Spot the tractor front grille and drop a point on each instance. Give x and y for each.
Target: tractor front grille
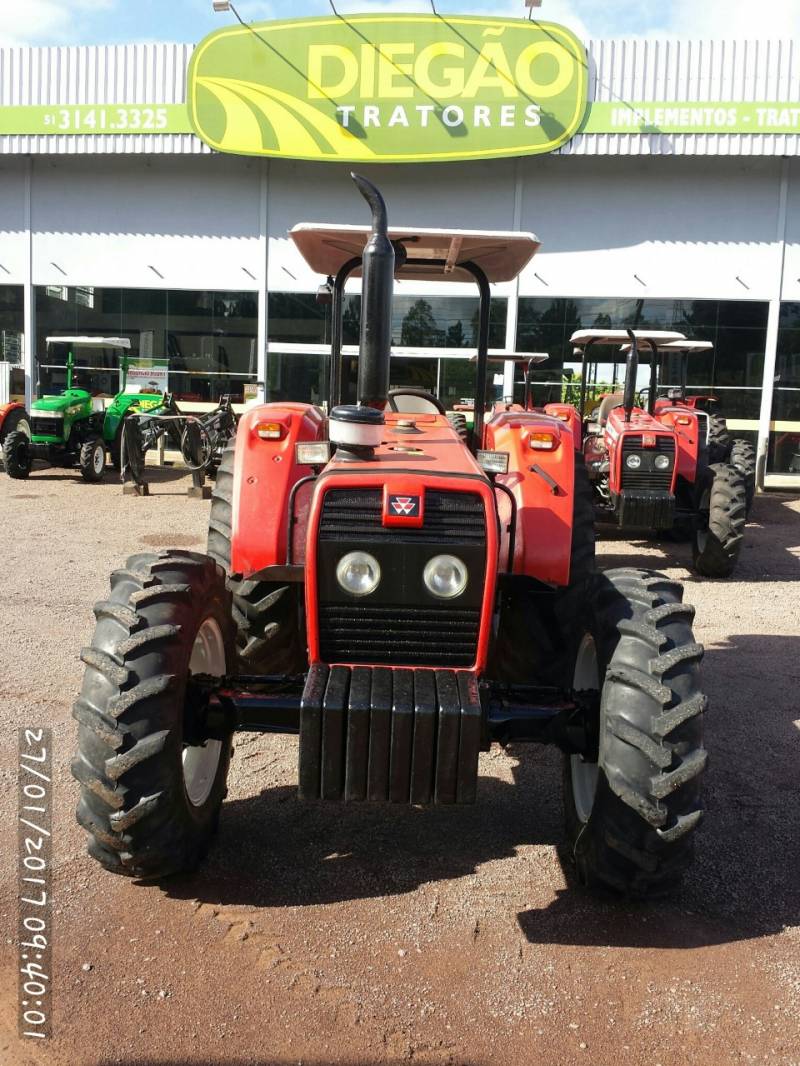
(398, 634)
(400, 623)
(646, 477)
(47, 427)
(356, 514)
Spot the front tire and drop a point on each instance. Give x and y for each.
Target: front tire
(631, 815)
(92, 459)
(17, 457)
(721, 521)
(150, 800)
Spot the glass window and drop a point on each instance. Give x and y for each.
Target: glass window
(209, 338)
(784, 440)
(12, 319)
(732, 371)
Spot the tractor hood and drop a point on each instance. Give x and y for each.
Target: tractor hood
(63, 404)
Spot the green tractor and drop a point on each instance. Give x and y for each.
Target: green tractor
(72, 428)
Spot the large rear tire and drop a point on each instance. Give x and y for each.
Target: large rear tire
(265, 613)
(17, 457)
(721, 521)
(719, 439)
(631, 816)
(743, 457)
(149, 800)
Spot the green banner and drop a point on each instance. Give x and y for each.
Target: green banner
(692, 117)
(95, 118)
(389, 88)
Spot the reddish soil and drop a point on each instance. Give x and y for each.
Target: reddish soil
(322, 935)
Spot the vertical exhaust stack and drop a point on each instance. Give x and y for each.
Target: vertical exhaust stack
(376, 303)
(631, 374)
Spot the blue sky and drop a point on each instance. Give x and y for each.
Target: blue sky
(52, 22)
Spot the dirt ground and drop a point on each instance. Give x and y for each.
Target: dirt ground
(320, 935)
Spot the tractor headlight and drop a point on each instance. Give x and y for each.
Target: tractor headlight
(633, 462)
(661, 462)
(358, 573)
(445, 576)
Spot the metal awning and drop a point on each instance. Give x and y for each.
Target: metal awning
(501, 255)
(91, 342)
(620, 336)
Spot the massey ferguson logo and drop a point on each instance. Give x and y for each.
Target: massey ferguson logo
(407, 506)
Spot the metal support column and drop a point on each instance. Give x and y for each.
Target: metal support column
(263, 235)
(771, 351)
(29, 295)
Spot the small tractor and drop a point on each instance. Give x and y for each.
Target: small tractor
(648, 460)
(73, 428)
(401, 598)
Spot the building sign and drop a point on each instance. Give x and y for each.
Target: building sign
(678, 116)
(389, 88)
(60, 119)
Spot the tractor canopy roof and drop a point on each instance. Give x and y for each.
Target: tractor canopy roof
(501, 255)
(682, 346)
(658, 337)
(92, 342)
(515, 357)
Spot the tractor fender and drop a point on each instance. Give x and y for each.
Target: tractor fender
(544, 496)
(7, 408)
(568, 414)
(687, 439)
(264, 474)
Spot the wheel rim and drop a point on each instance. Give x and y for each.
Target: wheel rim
(99, 459)
(24, 426)
(200, 762)
(583, 775)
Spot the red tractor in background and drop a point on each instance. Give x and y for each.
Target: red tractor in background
(401, 598)
(721, 447)
(648, 461)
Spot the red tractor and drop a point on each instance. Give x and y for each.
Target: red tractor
(401, 598)
(721, 447)
(648, 460)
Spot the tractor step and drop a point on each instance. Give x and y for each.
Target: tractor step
(378, 734)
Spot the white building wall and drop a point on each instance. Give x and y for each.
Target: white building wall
(155, 223)
(13, 228)
(676, 228)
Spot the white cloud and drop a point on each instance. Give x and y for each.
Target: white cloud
(45, 20)
(740, 19)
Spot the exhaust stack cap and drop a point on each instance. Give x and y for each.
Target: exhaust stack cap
(357, 431)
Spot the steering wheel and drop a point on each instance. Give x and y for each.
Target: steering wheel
(420, 394)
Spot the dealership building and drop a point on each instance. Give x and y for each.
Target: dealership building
(675, 205)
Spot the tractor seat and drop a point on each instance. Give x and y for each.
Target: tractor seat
(414, 402)
(607, 405)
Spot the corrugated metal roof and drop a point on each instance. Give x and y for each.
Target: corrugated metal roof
(691, 70)
(621, 70)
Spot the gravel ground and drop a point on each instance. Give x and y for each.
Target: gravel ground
(321, 935)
